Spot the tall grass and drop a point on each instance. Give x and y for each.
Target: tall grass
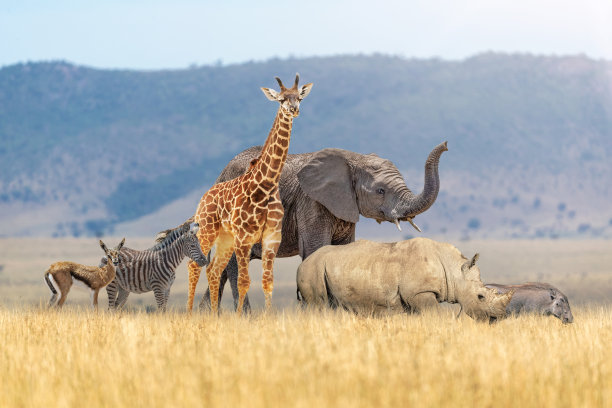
(303, 359)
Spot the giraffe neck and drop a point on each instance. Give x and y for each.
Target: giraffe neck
(274, 152)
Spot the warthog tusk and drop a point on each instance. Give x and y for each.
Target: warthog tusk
(397, 224)
(416, 227)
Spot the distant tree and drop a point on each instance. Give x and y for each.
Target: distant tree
(582, 228)
(473, 223)
(537, 203)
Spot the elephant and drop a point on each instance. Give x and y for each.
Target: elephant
(374, 278)
(536, 297)
(324, 193)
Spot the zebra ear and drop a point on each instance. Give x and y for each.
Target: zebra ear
(194, 227)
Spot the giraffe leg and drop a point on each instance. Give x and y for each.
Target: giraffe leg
(270, 241)
(225, 248)
(207, 237)
(194, 276)
(243, 253)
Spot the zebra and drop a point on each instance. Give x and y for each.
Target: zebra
(153, 269)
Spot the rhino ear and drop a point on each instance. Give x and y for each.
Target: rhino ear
(327, 179)
(552, 294)
(469, 272)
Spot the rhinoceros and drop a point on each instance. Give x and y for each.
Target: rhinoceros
(371, 278)
(536, 297)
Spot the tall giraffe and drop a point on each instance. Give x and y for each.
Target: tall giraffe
(241, 212)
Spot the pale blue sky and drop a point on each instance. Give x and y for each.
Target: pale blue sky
(174, 34)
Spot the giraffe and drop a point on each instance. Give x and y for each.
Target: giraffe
(236, 214)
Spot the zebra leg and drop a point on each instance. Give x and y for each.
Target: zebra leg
(161, 297)
(121, 297)
(111, 292)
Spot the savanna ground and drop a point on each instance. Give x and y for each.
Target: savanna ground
(293, 357)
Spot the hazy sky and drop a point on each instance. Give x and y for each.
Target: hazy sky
(154, 34)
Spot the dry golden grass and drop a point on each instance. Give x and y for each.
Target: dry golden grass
(303, 359)
(291, 357)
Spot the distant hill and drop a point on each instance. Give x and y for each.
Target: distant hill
(86, 151)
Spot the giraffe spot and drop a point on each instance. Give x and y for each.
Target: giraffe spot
(279, 151)
(283, 133)
(284, 143)
(275, 164)
(258, 177)
(259, 195)
(267, 185)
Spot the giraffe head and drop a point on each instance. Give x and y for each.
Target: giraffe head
(289, 98)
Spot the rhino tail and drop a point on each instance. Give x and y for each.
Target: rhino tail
(331, 299)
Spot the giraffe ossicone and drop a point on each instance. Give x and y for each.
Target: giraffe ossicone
(236, 214)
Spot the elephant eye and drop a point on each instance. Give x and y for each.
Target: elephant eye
(481, 297)
(381, 191)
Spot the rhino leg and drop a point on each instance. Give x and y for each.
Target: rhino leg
(423, 301)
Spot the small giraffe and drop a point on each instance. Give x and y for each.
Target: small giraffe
(241, 212)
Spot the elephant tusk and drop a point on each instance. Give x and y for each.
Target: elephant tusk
(416, 227)
(397, 224)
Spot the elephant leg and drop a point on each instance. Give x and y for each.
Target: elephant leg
(314, 233)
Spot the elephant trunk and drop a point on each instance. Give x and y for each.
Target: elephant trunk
(414, 205)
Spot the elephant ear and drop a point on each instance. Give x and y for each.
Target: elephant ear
(327, 179)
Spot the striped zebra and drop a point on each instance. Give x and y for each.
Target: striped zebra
(153, 269)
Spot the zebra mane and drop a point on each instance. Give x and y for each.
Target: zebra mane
(167, 237)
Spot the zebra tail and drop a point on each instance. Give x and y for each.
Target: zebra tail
(50, 284)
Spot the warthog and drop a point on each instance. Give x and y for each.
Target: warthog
(371, 277)
(536, 297)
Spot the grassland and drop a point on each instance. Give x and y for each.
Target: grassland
(291, 357)
(303, 359)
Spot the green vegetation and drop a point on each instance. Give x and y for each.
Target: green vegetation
(128, 142)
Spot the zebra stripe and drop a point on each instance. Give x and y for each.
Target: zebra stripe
(153, 269)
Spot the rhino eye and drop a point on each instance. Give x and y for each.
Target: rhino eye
(481, 297)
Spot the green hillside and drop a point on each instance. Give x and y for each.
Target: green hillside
(107, 146)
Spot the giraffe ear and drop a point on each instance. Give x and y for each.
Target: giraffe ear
(305, 90)
(271, 94)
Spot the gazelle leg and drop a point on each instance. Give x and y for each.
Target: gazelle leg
(64, 294)
(94, 296)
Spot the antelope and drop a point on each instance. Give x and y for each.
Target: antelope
(61, 275)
